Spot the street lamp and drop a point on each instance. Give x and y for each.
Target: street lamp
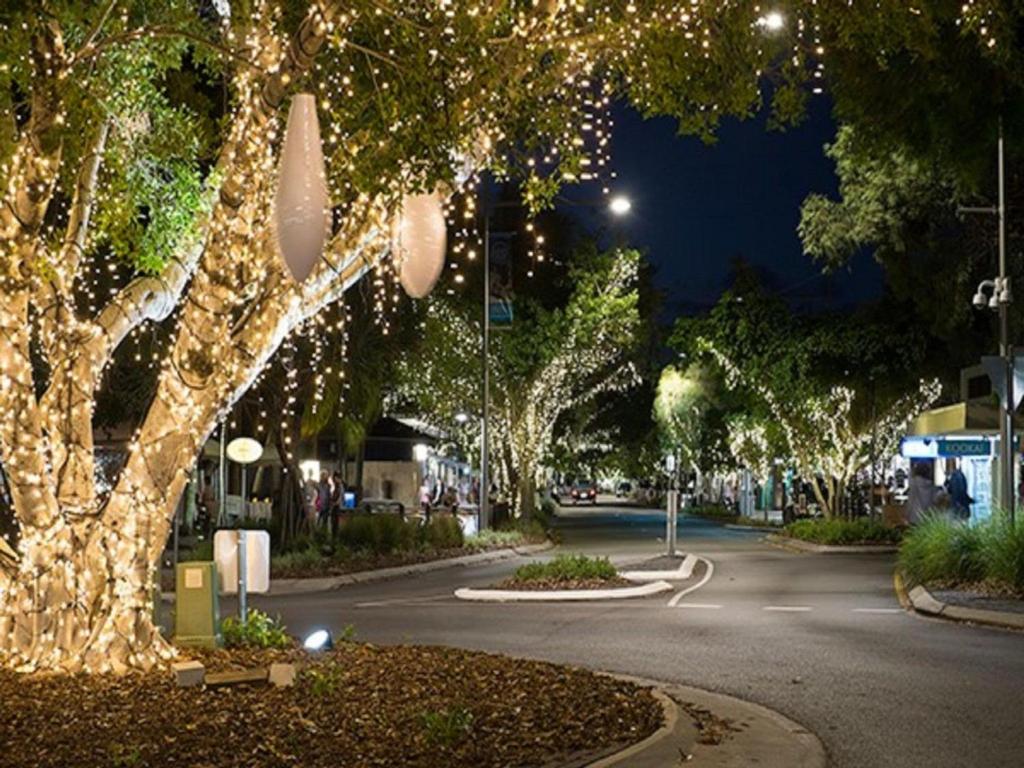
(1000, 300)
(620, 205)
(772, 21)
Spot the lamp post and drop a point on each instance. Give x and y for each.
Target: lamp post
(619, 205)
(1000, 300)
(243, 451)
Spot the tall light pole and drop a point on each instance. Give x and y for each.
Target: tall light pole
(1000, 300)
(618, 205)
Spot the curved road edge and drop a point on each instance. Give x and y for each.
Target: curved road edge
(757, 735)
(922, 602)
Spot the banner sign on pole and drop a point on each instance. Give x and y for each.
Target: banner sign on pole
(502, 295)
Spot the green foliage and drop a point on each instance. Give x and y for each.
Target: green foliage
(563, 351)
(259, 631)
(304, 559)
(946, 551)
(566, 568)
(837, 531)
(712, 510)
(492, 539)
(443, 532)
(377, 534)
(447, 727)
(323, 680)
(202, 552)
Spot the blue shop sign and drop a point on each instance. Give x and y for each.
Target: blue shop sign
(964, 448)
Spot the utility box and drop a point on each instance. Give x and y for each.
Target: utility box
(196, 610)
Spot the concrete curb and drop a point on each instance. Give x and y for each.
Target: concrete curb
(560, 595)
(662, 748)
(280, 587)
(761, 736)
(807, 546)
(682, 573)
(921, 601)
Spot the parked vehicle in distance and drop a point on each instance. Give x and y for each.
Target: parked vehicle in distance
(583, 492)
(623, 489)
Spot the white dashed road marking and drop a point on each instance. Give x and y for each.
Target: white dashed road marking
(878, 610)
(788, 608)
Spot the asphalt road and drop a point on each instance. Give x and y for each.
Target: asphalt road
(820, 638)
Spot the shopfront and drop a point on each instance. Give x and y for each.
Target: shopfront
(964, 436)
(974, 455)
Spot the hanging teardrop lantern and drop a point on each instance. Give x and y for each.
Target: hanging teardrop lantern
(419, 242)
(302, 207)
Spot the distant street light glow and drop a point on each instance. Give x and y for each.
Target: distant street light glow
(773, 21)
(620, 205)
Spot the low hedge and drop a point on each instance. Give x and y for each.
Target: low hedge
(838, 532)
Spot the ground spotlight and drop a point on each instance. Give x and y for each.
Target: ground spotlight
(319, 640)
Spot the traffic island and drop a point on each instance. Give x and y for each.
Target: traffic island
(565, 578)
(356, 705)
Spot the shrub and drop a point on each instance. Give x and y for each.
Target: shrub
(1002, 548)
(443, 532)
(447, 727)
(202, 552)
(298, 560)
(490, 538)
(260, 631)
(712, 510)
(377, 534)
(863, 530)
(567, 568)
(944, 550)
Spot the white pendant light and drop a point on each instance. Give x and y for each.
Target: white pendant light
(419, 242)
(302, 207)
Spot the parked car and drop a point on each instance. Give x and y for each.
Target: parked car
(584, 492)
(623, 490)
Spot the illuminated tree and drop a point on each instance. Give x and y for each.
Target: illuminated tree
(680, 407)
(147, 135)
(549, 362)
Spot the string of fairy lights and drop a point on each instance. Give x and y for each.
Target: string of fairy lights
(406, 93)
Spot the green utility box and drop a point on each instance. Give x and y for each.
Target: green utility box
(196, 610)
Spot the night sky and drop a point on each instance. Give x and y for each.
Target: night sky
(697, 207)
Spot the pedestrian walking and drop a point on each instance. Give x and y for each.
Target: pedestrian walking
(924, 496)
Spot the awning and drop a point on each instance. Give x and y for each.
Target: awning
(960, 419)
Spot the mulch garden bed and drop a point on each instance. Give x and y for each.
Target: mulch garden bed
(540, 585)
(357, 706)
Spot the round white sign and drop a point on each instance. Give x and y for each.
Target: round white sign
(244, 450)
